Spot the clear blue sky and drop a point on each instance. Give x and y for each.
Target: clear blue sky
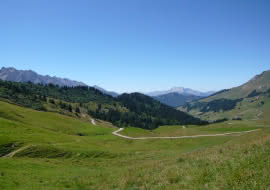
(138, 45)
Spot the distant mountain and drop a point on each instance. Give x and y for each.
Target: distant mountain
(111, 93)
(14, 75)
(181, 90)
(248, 101)
(175, 99)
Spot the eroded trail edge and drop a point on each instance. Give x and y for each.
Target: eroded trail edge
(11, 154)
(180, 137)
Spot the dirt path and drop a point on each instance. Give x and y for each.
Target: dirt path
(93, 122)
(257, 116)
(11, 154)
(181, 137)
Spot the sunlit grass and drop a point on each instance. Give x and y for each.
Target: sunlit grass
(67, 153)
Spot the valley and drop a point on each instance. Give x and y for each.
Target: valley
(55, 137)
(48, 150)
(134, 95)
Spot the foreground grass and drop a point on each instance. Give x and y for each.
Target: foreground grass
(58, 156)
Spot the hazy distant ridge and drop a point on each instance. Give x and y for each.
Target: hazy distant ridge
(175, 99)
(113, 94)
(181, 90)
(14, 75)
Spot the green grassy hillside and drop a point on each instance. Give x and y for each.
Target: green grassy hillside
(43, 150)
(260, 83)
(248, 101)
(135, 109)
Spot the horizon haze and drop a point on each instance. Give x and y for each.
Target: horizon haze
(15, 75)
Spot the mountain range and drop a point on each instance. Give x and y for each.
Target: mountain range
(14, 75)
(175, 99)
(181, 90)
(178, 96)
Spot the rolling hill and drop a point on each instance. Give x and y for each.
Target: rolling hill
(47, 150)
(244, 102)
(135, 110)
(55, 147)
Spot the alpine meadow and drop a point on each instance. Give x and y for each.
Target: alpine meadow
(134, 95)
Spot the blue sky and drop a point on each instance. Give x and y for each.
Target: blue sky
(138, 45)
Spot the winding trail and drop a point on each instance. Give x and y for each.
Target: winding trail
(257, 116)
(180, 137)
(11, 154)
(116, 133)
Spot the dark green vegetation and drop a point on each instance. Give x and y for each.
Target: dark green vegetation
(44, 150)
(175, 99)
(135, 110)
(161, 114)
(145, 112)
(244, 102)
(254, 93)
(20, 92)
(214, 105)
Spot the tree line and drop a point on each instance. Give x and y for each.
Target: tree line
(140, 110)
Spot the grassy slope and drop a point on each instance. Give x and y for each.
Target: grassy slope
(171, 131)
(248, 108)
(60, 159)
(133, 109)
(260, 83)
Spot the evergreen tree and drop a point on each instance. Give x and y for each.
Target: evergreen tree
(52, 101)
(70, 108)
(78, 110)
